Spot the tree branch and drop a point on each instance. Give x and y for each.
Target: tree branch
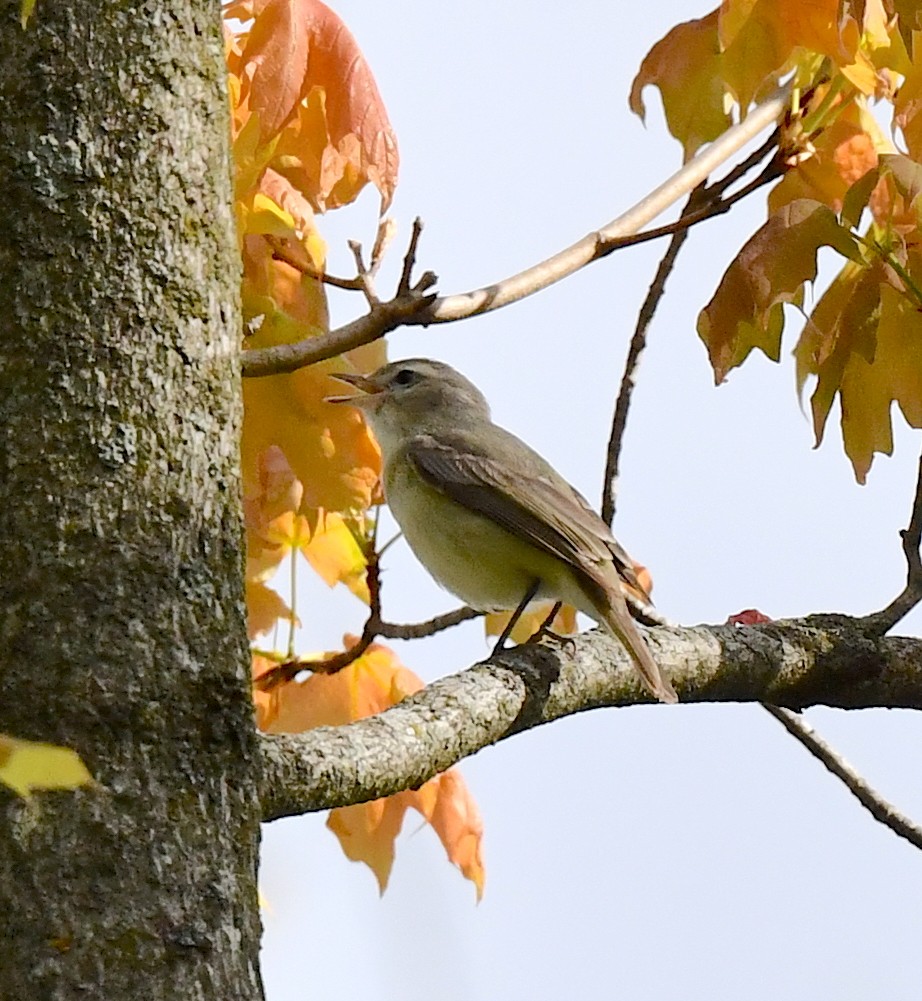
(418, 630)
(826, 660)
(870, 799)
(703, 202)
(414, 309)
(884, 620)
(631, 362)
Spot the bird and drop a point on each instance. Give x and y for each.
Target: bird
(490, 519)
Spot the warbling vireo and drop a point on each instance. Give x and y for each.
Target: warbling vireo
(486, 515)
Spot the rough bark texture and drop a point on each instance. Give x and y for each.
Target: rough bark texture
(121, 616)
(824, 660)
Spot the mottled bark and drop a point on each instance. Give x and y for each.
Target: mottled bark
(121, 616)
(824, 660)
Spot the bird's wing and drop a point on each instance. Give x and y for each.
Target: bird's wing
(546, 511)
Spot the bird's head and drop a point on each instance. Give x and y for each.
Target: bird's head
(415, 396)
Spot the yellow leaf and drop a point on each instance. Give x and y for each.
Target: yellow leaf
(25, 12)
(894, 374)
(531, 621)
(335, 554)
(864, 344)
(267, 217)
(26, 765)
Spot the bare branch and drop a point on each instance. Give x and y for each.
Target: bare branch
(380, 321)
(821, 660)
(409, 260)
(290, 669)
(365, 275)
(387, 230)
(418, 630)
(884, 620)
(869, 798)
(703, 203)
(603, 241)
(635, 350)
(414, 309)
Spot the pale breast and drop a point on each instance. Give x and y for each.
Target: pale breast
(465, 552)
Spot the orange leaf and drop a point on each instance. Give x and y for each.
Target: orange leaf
(843, 153)
(686, 67)
(370, 684)
(456, 819)
(328, 447)
(274, 61)
(304, 76)
(264, 608)
(367, 832)
(272, 496)
(771, 269)
(761, 38)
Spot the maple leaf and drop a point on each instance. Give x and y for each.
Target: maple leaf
(303, 77)
(746, 310)
(686, 67)
(264, 608)
(368, 831)
(842, 154)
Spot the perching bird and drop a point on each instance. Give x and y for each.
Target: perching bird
(485, 514)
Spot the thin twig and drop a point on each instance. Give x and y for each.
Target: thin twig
(409, 260)
(382, 318)
(290, 669)
(869, 798)
(703, 202)
(418, 630)
(286, 254)
(881, 622)
(365, 275)
(412, 310)
(387, 230)
(635, 350)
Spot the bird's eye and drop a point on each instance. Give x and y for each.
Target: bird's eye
(405, 377)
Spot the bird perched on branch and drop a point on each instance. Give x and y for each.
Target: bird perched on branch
(487, 516)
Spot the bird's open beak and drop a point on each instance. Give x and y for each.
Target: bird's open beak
(368, 387)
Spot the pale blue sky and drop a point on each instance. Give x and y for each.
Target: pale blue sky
(693, 852)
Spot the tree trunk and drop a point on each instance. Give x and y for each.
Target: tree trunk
(122, 630)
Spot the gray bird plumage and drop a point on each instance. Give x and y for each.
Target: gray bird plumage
(485, 513)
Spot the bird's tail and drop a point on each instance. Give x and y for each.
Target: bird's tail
(618, 622)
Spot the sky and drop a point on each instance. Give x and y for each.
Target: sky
(652, 852)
